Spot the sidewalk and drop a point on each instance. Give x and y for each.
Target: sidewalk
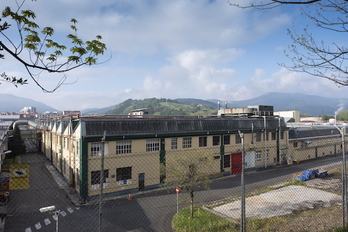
(62, 184)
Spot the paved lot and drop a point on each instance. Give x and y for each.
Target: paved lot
(280, 202)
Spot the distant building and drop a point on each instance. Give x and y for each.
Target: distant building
(28, 110)
(288, 115)
(69, 112)
(256, 110)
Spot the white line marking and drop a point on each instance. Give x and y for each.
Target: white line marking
(47, 221)
(38, 225)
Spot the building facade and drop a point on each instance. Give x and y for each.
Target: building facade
(134, 152)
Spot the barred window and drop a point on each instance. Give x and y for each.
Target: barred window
(152, 145)
(95, 179)
(123, 147)
(174, 143)
(258, 137)
(186, 142)
(124, 175)
(96, 149)
(227, 139)
(237, 139)
(202, 141)
(266, 136)
(216, 140)
(274, 135)
(227, 161)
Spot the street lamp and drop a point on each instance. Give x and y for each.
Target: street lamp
(51, 209)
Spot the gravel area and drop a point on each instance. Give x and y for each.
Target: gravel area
(316, 207)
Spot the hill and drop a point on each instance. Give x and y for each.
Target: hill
(11, 103)
(164, 106)
(306, 104)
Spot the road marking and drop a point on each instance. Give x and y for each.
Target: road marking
(63, 213)
(38, 225)
(47, 221)
(28, 229)
(70, 210)
(55, 217)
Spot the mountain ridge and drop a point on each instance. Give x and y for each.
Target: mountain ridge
(307, 104)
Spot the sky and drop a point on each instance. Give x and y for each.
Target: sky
(168, 49)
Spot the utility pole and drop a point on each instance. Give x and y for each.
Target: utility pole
(243, 217)
(101, 184)
(344, 175)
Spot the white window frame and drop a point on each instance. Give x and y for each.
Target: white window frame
(174, 143)
(123, 147)
(96, 149)
(152, 145)
(187, 142)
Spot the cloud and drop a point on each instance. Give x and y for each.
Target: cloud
(167, 49)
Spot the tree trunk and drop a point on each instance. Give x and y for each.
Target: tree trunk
(191, 196)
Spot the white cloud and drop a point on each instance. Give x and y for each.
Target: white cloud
(168, 49)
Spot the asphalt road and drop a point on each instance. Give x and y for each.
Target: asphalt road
(150, 212)
(153, 212)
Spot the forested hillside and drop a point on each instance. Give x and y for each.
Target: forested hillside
(162, 106)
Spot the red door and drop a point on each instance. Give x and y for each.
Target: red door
(236, 162)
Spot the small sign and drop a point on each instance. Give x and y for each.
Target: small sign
(177, 190)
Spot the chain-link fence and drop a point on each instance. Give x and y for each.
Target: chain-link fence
(142, 191)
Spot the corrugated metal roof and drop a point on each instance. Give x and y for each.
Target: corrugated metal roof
(309, 132)
(143, 126)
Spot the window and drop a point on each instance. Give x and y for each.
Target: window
(266, 136)
(266, 154)
(124, 147)
(237, 139)
(258, 137)
(295, 144)
(258, 156)
(96, 149)
(124, 175)
(227, 162)
(216, 140)
(281, 135)
(186, 142)
(274, 135)
(95, 179)
(227, 139)
(174, 143)
(152, 145)
(202, 141)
